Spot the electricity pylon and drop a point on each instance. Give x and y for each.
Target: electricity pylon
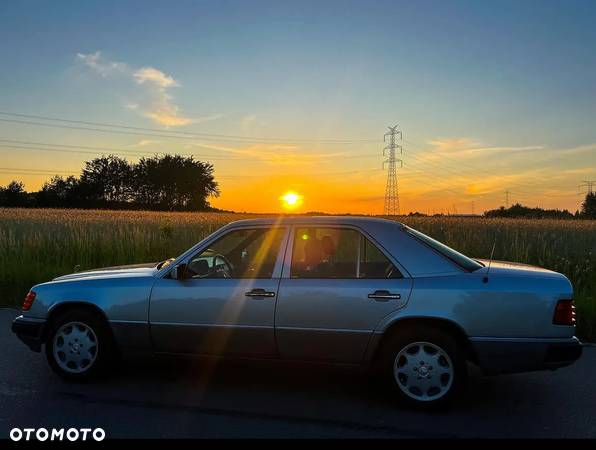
(391, 192)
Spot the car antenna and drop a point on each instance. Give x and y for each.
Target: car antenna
(490, 260)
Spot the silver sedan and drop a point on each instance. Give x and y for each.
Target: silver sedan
(349, 290)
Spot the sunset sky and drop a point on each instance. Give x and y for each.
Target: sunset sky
(491, 96)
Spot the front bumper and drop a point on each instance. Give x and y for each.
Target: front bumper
(30, 331)
(509, 355)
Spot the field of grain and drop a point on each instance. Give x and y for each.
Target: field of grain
(37, 245)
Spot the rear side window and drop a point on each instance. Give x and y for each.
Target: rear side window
(458, 258)
(325, 252)
(374, 263)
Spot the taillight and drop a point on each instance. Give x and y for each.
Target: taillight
(28, 301)
(564, 313)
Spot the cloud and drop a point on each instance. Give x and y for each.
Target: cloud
(272, 153)
(448, 145)
(151, 75)
(102, 67)
(145, 143)
(153, 99)
(580, 171)
(467, 147)
(247, 122)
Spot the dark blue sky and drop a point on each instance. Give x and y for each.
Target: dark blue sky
(486, 74)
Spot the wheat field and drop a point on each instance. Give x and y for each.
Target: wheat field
(39, 244)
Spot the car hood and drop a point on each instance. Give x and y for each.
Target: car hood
(517, 269)
(135, 270)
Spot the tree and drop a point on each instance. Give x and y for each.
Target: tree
(14, 195)
(107, 179)
(174, 182)
(60, 192)
(589, 206)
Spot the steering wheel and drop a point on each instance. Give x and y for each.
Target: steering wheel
(224, 269)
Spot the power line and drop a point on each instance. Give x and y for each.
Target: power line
(122, 129)
(589, 184)
(176, 133)
(472, 169)
(126, 152)
(30, 171)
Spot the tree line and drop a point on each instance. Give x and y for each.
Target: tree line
(519, 211)
(161, 182)
(588, 211)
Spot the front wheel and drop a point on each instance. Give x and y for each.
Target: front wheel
(424, 366)
(79, 345)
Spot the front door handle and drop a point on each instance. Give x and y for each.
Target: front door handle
(383, 296)
(260, 293)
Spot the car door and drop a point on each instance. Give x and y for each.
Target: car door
(336, 286)
(221, 310)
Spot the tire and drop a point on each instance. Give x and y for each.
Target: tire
(79, 345)
(424, 366)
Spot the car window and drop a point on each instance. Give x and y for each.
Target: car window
(325, 252)
(246, 253)
(374, 263)
(460, 259)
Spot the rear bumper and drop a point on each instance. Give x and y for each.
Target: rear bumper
(510, 355)
(30, 331)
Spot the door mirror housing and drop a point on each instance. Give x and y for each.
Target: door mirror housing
(178, 272)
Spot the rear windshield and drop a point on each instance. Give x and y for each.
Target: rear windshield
(461, 260)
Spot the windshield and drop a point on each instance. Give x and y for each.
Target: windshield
(461, 260)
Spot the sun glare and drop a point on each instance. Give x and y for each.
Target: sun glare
(291, 200)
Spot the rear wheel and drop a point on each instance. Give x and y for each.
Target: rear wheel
(79, 345)
(424, 366)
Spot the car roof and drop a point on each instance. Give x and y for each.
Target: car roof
(336, 220)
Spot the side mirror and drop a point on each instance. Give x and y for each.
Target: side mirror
(178, 272)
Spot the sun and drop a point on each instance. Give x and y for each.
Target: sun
(291, 200)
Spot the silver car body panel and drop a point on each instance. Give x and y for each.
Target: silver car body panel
(318, 319)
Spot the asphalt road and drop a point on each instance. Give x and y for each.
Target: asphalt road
(165, 398)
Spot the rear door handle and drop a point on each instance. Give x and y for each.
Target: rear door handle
(383, 296)
(260, 293)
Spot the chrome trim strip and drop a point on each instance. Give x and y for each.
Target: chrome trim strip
(327, 330)
(520, 339)
(143, 322)
(211, 325)
(23, 318)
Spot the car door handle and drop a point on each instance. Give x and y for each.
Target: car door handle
(383, 296)
(260, 293)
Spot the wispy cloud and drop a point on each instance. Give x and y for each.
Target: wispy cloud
(155, 101)
(101, 66)
(247, 122)
(273, 153)
(451, 144)
(580, 171)
(468, 147)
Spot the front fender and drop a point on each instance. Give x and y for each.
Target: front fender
(123, 301)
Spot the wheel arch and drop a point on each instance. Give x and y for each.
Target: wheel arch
(61, 307)
(446, 325)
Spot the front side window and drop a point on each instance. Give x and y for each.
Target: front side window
(320, 252)
(247, 253)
